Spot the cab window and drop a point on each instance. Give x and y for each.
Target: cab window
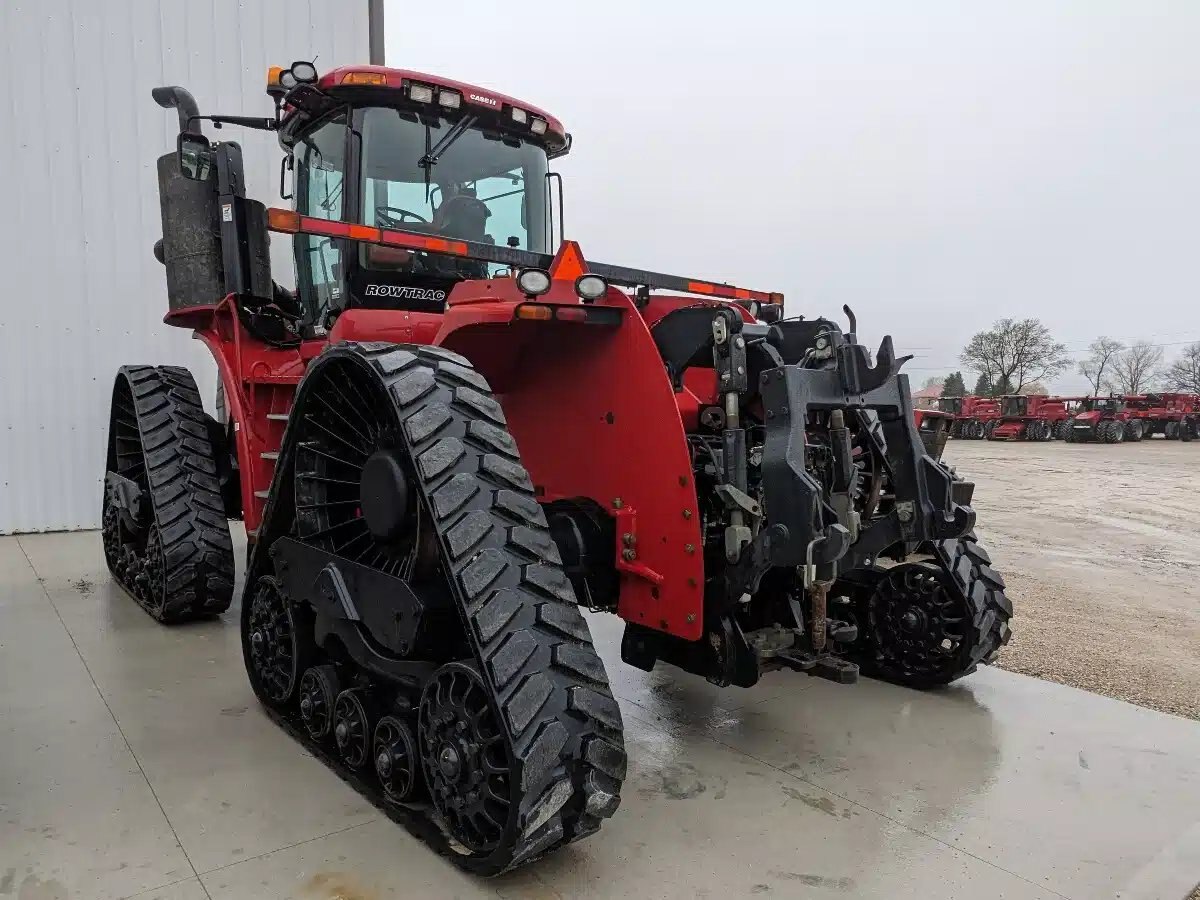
(320, 193)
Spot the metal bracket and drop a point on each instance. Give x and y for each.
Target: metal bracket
(627, 554)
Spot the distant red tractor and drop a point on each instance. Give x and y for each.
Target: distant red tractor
(1104, 420)
(1028, 418)
(1174, 416)
(971, 414)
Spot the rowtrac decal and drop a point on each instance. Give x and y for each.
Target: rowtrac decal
(403, 293)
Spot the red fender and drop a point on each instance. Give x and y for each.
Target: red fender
(594, 415)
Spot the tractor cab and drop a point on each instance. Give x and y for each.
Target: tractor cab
(393, 149)
(447, 165)
(1014, 405)
(1101, 404)
(951, 405)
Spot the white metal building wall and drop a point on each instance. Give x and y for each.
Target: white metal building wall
(80, 292)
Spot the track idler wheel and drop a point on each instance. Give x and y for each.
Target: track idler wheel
(277, 645)
(352, 727)
(396, 763)
(466, 758)
(319, 688)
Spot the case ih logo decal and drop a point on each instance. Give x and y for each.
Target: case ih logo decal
(403, 293)
(488, 100)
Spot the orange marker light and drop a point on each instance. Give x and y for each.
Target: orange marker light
(273, 75)
(375, 78)
(284, 220)
(532, 311)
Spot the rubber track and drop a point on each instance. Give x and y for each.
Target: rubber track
(532, 643)
(186, 498)
(982, 587)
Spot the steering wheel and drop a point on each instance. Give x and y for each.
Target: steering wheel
(384, 215)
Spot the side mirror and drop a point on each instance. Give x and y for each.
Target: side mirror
(286, 165)
(195, 156)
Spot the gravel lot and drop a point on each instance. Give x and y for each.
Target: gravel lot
(1100, 546)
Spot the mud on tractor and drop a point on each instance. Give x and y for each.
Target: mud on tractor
(972, 415)
(457, 432)
(1028, 418)
(1104, 420)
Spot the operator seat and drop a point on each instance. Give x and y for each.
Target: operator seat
(462, 216)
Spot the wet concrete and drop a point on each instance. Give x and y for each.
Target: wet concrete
(134, 761)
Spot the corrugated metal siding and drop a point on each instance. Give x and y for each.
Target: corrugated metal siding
(79, 136)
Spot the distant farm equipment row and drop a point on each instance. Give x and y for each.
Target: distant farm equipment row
(1111, 420)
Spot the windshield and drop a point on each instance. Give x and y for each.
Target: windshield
(474, 185)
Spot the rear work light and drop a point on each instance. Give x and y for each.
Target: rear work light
(537, 126)
(449, 99)
(533, 282)
(519, 116)
(590, 287)
(420, 93)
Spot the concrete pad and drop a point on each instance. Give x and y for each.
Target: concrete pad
(76, 816)
(1003, 786)
(65, 556)
(698, 820)
(190, 889)
(1064, 788)
(232, 783)
(17, 576)
(377, 860)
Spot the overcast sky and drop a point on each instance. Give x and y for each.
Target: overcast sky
(936, 165)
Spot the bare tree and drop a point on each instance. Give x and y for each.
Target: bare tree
(1184, 373)
(1034, 388)
(934, 381)
(1103, 354)
(1014, 353)
(1136, 369)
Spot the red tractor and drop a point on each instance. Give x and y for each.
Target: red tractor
(972, 415)
(1104, 420)
(1028, 417)
(1174, 416)
(457, 431)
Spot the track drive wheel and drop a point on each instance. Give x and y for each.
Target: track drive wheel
(159, 446)
(466, 761)
(925, 624)
(1171, 431)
